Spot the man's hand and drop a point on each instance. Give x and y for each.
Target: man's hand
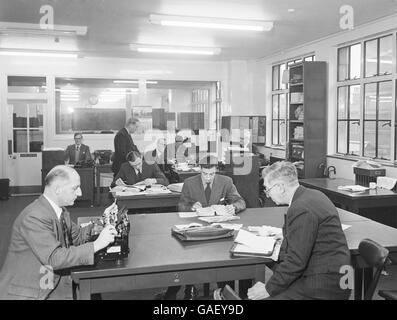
(196, 205)
(150, 181)
(258, 292)
(105, 238)
(119, 182)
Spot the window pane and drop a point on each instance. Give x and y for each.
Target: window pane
(369, 139)
(35, 140)
(384, 141)
(355, 61)
(276, 81)
(354, 141)
(35, 115)
(342, 103)
(19, 114)
(342, 137)
(26, 84)
(282, 77)
(385, 100)
(355, 110)
(370, 101)
(275, 107)
(282, 132)
(20, 141)
(371, 58)
(275, 132)
(385, 55)
(283, 106)
(343, 55)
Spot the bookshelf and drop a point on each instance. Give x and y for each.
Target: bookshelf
(307, 117)
(257, 125)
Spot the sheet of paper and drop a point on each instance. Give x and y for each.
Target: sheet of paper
(234, 226)
(216, 219)
(345, 226)
(265, 231)
(355, 188)
(255, 242)
(187, 214)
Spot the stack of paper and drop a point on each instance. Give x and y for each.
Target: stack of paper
(176, 187)
(248, 244)
(205, 212)
(219, 218)
(355, 188)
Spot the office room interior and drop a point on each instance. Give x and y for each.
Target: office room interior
(313, 82)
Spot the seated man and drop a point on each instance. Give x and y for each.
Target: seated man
(314, 247)
(204, 190)
(136, 169)
(77, 152)
(45, 243)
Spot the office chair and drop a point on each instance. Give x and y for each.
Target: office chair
(376, 257)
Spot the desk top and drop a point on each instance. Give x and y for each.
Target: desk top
(140, 196)
(331, 185)
(154, 249)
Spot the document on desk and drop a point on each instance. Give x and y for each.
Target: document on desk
(355, 188)
(249, 243)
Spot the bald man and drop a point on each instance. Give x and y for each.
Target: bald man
(45, 243)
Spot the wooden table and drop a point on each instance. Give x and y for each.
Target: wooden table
(157, 259)
(139, 201)
(352, 201)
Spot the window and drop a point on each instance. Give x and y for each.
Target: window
(280, 99)
(365, 106)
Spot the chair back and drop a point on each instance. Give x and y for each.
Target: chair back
(375, 256)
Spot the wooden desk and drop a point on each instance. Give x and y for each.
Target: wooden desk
(150, 201)
(100, 168)
(157, 259)
(352, 201)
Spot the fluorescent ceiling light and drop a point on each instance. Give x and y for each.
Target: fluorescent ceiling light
(134, 81)
(175, 49)
(44, 29)
(211, 23)
(39, 54)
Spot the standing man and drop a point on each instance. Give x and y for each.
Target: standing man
(77, 152)
(123, 144)
(45, 243)
(314, 247)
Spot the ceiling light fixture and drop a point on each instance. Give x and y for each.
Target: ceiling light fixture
(134, 81)
(16, 28)
(211, 23)
(39, 54)
(175, 49)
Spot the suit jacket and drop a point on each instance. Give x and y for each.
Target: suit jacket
(128, 175)
(222, 187)
(313, 243)
(84, 154)
(123, 144)
(37, 244)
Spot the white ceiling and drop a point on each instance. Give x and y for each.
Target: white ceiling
(114, 24)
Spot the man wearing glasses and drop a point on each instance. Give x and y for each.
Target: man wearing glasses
(314, 246)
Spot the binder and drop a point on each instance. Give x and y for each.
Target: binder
(239, 250)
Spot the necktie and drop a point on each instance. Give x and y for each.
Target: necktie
(77, 154)
(65, 230)
(139, 175)
(208, 192)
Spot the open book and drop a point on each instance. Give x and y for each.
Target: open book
(249, 244)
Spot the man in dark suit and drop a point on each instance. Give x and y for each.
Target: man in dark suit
(45, 243)
(314, 246)
(204, 190)
(77, 152)
(136, 170)
(123, 144)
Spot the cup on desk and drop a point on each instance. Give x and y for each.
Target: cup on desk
(372, 185)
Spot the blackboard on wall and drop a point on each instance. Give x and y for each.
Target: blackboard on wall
(98, 119)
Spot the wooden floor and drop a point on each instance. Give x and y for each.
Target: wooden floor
(9, 209)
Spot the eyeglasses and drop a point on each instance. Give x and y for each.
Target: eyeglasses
(267, 190)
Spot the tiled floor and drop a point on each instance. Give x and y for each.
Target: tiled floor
(11, 208)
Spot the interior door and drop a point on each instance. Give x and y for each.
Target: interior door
(24, 141)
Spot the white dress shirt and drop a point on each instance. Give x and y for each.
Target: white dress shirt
(57, 209)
